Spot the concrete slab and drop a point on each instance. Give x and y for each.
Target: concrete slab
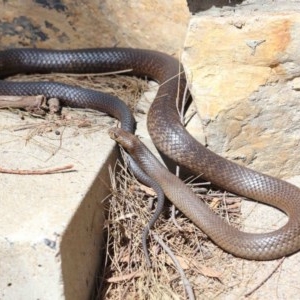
(51, 225)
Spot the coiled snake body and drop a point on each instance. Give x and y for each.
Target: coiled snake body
(169, 136)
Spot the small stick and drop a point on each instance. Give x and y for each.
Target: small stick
(54, 105)
(173, 217)
(173, 211)
(266, 279)
(29, 103)
(185, 281)
(37, 172)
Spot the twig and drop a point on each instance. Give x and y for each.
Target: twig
(225, 206)
(37, 172)
(173, 217)
(54, 105)
(181, 115)
(34, 104)
(173, 208)
(189, 118)
(186, 283)
(183, 105)
(60, 144)
(93, 74)
(266, 279)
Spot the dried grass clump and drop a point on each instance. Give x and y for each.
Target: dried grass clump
(83, 121)
(126, 274)
(127, 88)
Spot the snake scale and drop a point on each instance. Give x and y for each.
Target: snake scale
(169, 136)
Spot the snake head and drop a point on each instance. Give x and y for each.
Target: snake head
(126, 139)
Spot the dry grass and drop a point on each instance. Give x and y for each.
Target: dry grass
(126, 275)
(126, 88)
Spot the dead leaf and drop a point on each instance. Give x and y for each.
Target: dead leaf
(124, 277)
(182, 261)
(209, 272)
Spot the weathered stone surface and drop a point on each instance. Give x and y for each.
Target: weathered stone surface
(81, 24)
(51, 225)
(243, 73)
(157, 25)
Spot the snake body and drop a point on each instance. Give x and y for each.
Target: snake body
(169, 136)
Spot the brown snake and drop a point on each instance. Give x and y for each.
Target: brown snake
(171, 138)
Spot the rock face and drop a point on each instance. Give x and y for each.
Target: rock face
(243, 72)
(81, 24)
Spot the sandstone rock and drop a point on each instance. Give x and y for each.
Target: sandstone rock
(68, 24)
(238, 67)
